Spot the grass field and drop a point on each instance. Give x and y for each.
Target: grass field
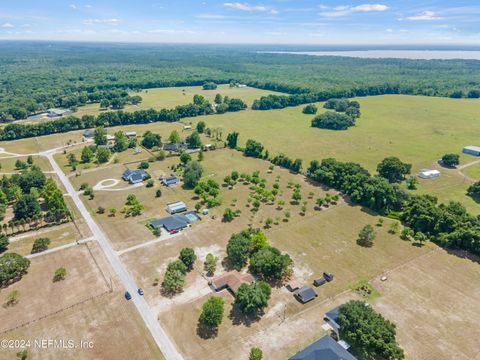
(42, 143)
(81, 307)
(8, 164)
(159, 98)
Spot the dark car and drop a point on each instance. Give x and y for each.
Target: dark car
(128, 296)
(328, 276)
(140, 291)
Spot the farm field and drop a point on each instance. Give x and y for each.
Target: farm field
(42, 143)
(159, 98)
(81, 307)
(431, 301)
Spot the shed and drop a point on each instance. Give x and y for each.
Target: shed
(306, 294)
(428, 174)
(89, 133)
(176, 207)
(472, 150)
(232, 281)
(331, 318)
(187, 127)
(324, 349)
(169, 180)
(131, 134)
(51, 113)
(319, 281)
(174, 147)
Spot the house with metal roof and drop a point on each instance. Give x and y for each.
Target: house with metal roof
(169, 180)
(305, 294)
(325, 348)
(134, 176)
(176, 207)
(171, 223)
(51, 113)
(472, 150)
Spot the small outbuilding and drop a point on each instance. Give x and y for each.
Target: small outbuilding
(187, 127)
(89, 133)
(428, 174)
(472, 150)
(174, 147)
(169, 180)
(319, 281)
(176, 207)
(331, 318)
(305, 294)
(293, 285)
(131, 134)
(324, 349)
(52, 113)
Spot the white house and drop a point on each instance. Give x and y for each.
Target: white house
(428, 174)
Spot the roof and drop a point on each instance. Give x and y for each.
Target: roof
(472, 148)
(324, 349)
(174, 222)
(176, 206)
(333, 314)
(306, 294)
(293, 285)
(89, 132)
(134, 175)
(232, 280)
(169, 180)
(173, 147)
(428, 173)
(57, 111)
(131, 133)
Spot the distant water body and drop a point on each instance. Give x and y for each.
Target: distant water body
(395, 54)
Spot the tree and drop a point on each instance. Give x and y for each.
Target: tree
(3, 242)
(333, 121)
(103, 155)
(158, 193)
(270, 263)
(392, 169)
(100, 136)
(232, 140)
(228, 215)
(209, 86)
(259, 240)
(151, 140)
(72, 161)
(255, 354)
(310, 109)
(201, 125)
(188, 257)
(174, 137)
(253, 149)
(59, 274)
(20, 165)
(54, 201)
(12, 268)
(104, 104)
(218, 99)
(26, 207)
(87, 154)
(40, 244)
(412, 183)
(212, 312)
(144, 165)
(211, 263)
(174, 279)
(366, 236)
(121, 141)
(296, 196)
(193, 141)
(192, 174)
(200, 155)
(239, 248)
(251, 298)
(22, 355)
(12, 298)
(474, 190)
(368, 332)
(185, 157)
(112, 212)
(451, 160)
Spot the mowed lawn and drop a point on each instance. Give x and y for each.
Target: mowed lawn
(159, 98)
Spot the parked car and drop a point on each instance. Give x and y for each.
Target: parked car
(140, 291)
(173, 232)
(328, 276)
(128, 296)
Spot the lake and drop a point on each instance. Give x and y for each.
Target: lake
(396, 54)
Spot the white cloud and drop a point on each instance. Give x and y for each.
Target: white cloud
(250, 8)
(88, 6)
(7, 25)
(339, 11)
(425, 16)
(73, 6)
(101, 21)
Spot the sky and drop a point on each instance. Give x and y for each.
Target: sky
(255, 22)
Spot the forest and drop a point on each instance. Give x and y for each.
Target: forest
(40, 75)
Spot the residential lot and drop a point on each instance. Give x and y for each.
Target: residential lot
(8, 163)
(81, 307)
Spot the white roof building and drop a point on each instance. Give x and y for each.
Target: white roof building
(428, 174)
(176, 207)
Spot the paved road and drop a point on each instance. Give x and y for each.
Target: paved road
(166, 346)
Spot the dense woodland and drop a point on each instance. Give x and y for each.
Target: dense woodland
(40, 75)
